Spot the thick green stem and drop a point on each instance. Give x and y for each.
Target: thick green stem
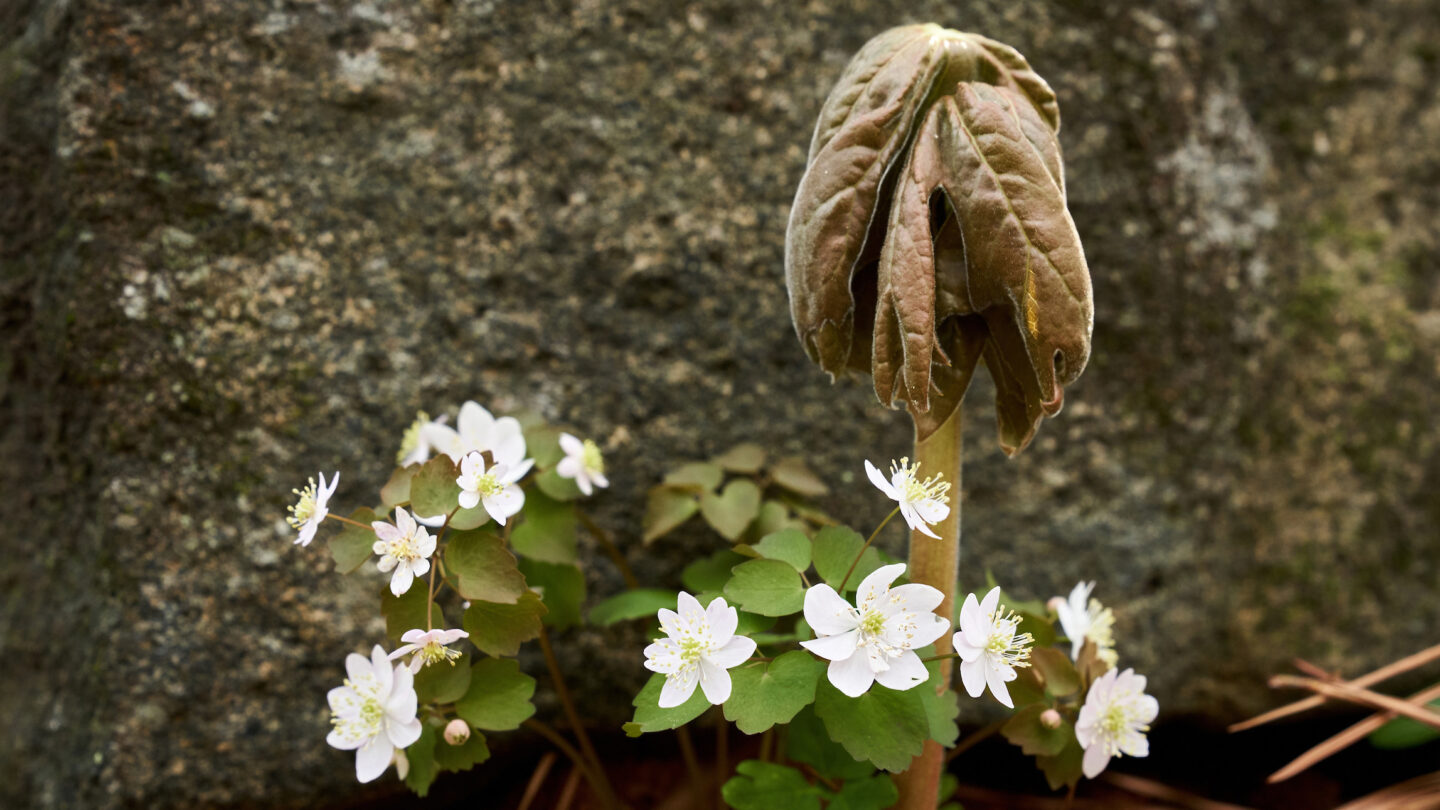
(936, 563)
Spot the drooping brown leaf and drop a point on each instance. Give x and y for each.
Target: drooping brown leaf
(931, 230)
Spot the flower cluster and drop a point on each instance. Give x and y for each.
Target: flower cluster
(375, 711)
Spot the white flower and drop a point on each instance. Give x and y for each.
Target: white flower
(373, 713)
(405, 547)
(582, 462)
(429, 647)
(308, 512)
(988, 647)
(415, 445)
(921, 502)
(1082, 617)
(874, 641)
(700, 642)
(1114, 719)
(479, 431)
(495, 488)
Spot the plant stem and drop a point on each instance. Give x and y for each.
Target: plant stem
(600, 782)
(687, 752)
(559, 741)
(611, 550)
(936, 563)
(722, 744)
(334, 516)
(868, 541)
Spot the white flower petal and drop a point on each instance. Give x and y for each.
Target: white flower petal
(599, 480)
(827, 612)
(571, 445)
(928, 627)
(714, 682)
(917, 598)
(400, 581)
(991, 601)
(905, 672)
(735, 652)
(836, 648)
(469, 499)
(972, 674)
(692, 613)
(570, 467)
(875, 586)
(675, 692)
(336, 740)
(582, 480)
(723, 619)
(357, 667)
(386, 531)
(878, 479)
(403, 735)
(995, 678)
(852, 676)
(931, 510)
(372, 759)
(473, 465)
(514, 472)
(1095, 761)
(507, 441)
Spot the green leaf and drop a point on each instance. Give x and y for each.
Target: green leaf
(1059, 676)
(558, 487)
(767, 587)
(835, 548)
(1404, 732)
(650, 717)
(354, 545)
(766, 786)
(642, 602)
(542, 443)
(1063, 769)
(408, 612)
(665, 509)
(763, 695)
(461, 757)
(888, 728)
(876, 793)
(548, 533)
(809, 742)
(499, 696)
(942, 708)
(789, 546)
(794, 475)
(1026, 731)
(484, 569)
(710, 573)
(562, 589)
(774, 516)
(1026, 688)
(397, 489)
(433, 490)
(742, 458)
(1039, 628)
(732, 510)
(421, 756)
(696, 477)
(497, 629)
(443, 682)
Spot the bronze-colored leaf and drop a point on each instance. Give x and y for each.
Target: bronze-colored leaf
(930, 231)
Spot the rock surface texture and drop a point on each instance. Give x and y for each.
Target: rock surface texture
(242, 241)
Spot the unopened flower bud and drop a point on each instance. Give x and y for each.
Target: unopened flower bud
(402, 764)
(1055, 603)
(1048, 718)
(458, 731)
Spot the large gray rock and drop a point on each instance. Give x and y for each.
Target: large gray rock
(243, 241)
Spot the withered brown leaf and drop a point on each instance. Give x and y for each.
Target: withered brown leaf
(930, 231)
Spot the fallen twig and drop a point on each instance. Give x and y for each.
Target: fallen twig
(1348, 737)
(1365, 697)
(1389, 670)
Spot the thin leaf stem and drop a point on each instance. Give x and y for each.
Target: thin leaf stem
(611, 550)
(334, 516)
(871, 539)
(602, 783)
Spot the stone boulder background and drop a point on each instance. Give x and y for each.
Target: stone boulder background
(244, 240)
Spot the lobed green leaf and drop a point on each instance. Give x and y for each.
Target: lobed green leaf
(561, 588)
(639, 603)
(443, 682)
(499, 697)
(807, 741)
(1025, 730)
(875, 793)
(421, 756)
(763, 695)
(766, 587)
(835, 548)
(790, 546)
(666, 507)
(886, 727)
(767, 786)
(733, 509)
(548, 531)
(650, 717)
(483, 568)
(499, 629)
(745, 458)
(464, 756)
(795, 475)
(354, 545)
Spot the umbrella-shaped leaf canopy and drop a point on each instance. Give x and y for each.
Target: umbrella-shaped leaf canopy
(930, 231)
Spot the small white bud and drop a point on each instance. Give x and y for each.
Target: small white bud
(457, 732)
(1050, 719)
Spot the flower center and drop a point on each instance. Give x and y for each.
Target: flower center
(590, 457)
(915, 489)
(1012, 649)
(872, 623)
(403, 549)
(367, 721)
(488, 485)
(691, 649)
(304, 509)
(411, 439)
(434, 652)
